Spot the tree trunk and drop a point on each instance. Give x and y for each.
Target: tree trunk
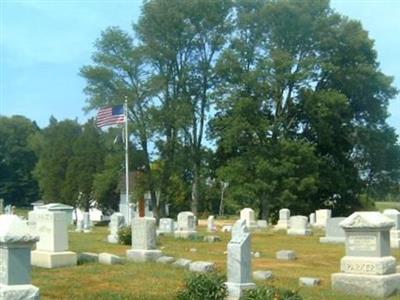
(264, 211)
(195, 189)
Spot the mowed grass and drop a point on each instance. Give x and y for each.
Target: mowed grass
(381, 206)
(157, 281)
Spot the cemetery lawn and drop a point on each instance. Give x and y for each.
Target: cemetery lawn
(156, 281)
(381, 206)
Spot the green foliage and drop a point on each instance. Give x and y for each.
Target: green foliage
(204, 286)
(125, 235)
(270, 293)
(17, 161)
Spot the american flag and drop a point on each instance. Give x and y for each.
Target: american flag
(110, 116)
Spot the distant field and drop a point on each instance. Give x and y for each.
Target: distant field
(386, 205)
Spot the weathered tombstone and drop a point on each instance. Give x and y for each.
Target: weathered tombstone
(239, 277)
(166, 226)
(79, 226)
(143, 240)
(87, 224)
(334, 233)
(32, 223)
(262, 224)
(7, 210)
(283, 222)
(368, 268)
(52, 248)
(211, 227)
(312, 219)
(116, 223)
(1, 206)
(186, 225)
(394, 214)
(60, 207)
(15, 260)
(298, 225)
(247, 214)
(322, 216)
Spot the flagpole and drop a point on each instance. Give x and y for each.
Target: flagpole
(127, 160)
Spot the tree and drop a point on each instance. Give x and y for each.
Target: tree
(299, 76)
(54, 147)
(17, 161)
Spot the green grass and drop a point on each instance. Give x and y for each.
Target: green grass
(157, 281)
(381, 206)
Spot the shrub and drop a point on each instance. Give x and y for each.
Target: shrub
(125, 235)
(204, 286)
(270, 293)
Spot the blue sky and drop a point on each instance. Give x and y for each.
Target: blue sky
(44, 43)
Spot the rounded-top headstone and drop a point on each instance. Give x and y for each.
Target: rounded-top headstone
(370, 219)
(14, 230)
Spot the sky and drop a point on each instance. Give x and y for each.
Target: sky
(44, 43)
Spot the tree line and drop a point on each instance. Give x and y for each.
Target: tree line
(277, 103)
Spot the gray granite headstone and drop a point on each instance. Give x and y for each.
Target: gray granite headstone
(239, 261)
(87, 224)
(211, 227)
(166, 226)
(283, 222)
(186, 225)
(15, 254)
(116, 223)
(394, 214)
(298, 225)
(368, 267)
(334, 233)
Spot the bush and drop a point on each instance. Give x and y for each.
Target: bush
(270, 293)
(125, 235)
(204, 286)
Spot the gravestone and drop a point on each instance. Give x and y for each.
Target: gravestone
(394, 214)
(283, 222)
(247, 214)
(8, 210)
(1, 206)
(116, 223)
(262, 224)
(52, 248)
(298, 225)
(321, 217)
(15, 260)
(239, 275)
(32, 222)
(87, 224)
(312, 219)
(211, 227)
(368, 268)
(334, 233)
(143, 240)
(186, 225)
(79, 226)
(60, 207)
(166, 226)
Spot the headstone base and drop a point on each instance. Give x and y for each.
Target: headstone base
(299, 232)
(19, 292)
(52, 260)
(368, 265)
(332, 240)
(183, 234)
(236, 290)
(139, 255)
(282, 225)
(112, 239)
(381, 286)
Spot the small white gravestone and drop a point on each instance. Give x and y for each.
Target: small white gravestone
(283, 222)
(239, 261)
(116, 223)
(186, 225)
(298, 225)
(87, 224)
(247, 214)
(322, 216)
(15, 255)
(368, 268)
(394, 214)
(52, 248)
(312, 219)
(143, 240)
(166, 226)
(79, 226)
(211, 227)
(334, 233)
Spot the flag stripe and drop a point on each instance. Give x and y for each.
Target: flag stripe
(110, 116)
